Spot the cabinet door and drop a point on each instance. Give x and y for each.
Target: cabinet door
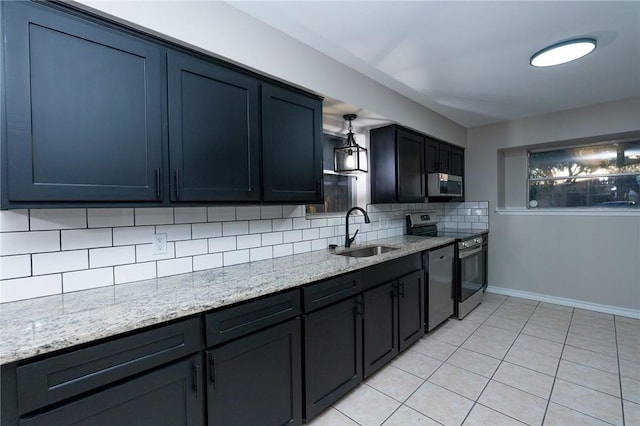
(380, 322)
(83, 108)
(256, 380)
(171, 395)
(213, 132)
(333, 354)
(291, 146)
(445, 158)
(431, 156)
(410, 168)
(411, 303)
(457, 161)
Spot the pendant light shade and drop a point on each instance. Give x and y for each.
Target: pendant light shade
(350, 158)
(561, 53)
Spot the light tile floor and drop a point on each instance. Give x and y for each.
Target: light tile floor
(509, 362)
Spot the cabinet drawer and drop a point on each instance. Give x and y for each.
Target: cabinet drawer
(248, 317)
(332, 290)
(391, 270)
(53, 379)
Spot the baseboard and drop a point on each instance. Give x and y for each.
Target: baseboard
(623, 312)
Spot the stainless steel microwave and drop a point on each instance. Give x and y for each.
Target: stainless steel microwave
(444, 185)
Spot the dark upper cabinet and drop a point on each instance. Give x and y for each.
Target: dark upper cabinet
(445, 158)
(441, 157)
(397, 168)
(214, 139)
(291, 146)
(457, 161)
(83, 110)
(431, 156)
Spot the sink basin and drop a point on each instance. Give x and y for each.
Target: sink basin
(366, 251)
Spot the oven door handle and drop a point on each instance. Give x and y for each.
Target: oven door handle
(464, 254)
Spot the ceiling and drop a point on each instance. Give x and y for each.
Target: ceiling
(469, 60)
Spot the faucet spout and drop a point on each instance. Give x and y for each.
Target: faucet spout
(347, 240)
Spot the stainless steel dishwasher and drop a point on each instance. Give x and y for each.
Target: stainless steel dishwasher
(440, 292)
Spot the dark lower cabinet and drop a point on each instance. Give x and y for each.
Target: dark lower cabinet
(170, 395)
(83, 110)
(257, 379)
(411, 322)
(332, 353)
(380, 326)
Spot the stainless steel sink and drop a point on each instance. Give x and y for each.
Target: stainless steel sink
(366, 251)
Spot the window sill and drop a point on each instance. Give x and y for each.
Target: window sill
(522, 211)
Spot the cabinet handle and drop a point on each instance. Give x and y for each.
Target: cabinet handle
(212, 370)
(177, 183)
(158, 179)
(196, 375)
(358, 309)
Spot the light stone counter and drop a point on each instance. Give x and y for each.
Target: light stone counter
(37, 326)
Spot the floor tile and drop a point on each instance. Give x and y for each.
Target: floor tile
(405, 416)
(513, 402)
(589, 377)
(496, 334)
(524, 379)
(461, 327)
(463, 382)
(511, 314)
(394, 382)
(536, 344)
(590, 358)
(505, 323)
(629, 369)
(484, 416)
(474, 362)
(557, 415)
(434, 348)
(550, 322)
(440, 404)
(486, 346)
(533, 360)
(588, 401)
(628, 321)
(592, 345)
(332, 417)
(554, 334)
(477, 316)
(630, 352)
(367, 406)
(631, 413)
(630, 389)
(585, 314)
(608, 336)
(416, 363)
(555, 307)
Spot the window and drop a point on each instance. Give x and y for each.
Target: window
(603, 175)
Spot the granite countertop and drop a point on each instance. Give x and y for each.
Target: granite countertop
(37, 326)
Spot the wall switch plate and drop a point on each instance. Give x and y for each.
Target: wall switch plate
(159, 243)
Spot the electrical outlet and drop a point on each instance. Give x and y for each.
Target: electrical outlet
(159, 243)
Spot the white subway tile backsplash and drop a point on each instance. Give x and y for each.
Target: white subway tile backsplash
(301, 247)
(105, 218)
(270, 212)
(318, 223)
(222, 244)
(46, 219)
(326, 232)
(190, 214)
(272, 238)
(221, 214)
(292, 236)
(83, 280)
(282, 224)
(282, 250)
(319, 244)
(206, 230)
(133, 235)
(15, 266)
(154, 216)
(301, 223)
(29, 242)
(111, 256)
(235, 257)
(191, 248)
(175, 232)
(135, 272)
(293, 211)
(260, 226)
(260, 253)
(247, 212)
(50, 263)
(29, 288)
(235, 228)
(310, 234)
(182, 265)
(73, 239)
(14, 220)
(207, 261)
(248, 241)
(144, 252)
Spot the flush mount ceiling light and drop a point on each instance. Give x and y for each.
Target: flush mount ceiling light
(563, 52)
(350, 158)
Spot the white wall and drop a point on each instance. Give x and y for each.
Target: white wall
(588, 258)
(217, 28)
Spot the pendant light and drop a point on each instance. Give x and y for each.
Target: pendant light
(563, 52)
(350, 158)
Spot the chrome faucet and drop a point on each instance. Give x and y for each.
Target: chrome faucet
(347, 240)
